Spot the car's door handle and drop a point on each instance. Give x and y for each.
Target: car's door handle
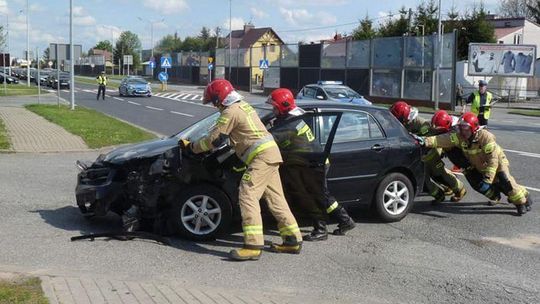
(377, 147)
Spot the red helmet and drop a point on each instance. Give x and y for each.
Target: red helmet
(442, 121)
(217, 91)
(401, 110)
(468, 124)
(282, 100)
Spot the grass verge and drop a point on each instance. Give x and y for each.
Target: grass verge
(4, 141)
(18, 90)
(96, 129)
(93, 81)
(22, 291)
(534, 113)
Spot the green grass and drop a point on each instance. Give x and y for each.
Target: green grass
(93, 81)
(4, 141)
(535, 113)
(96, 129)
(22, 292)
(18, 90)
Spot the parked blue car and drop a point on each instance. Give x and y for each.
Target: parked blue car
(134, 86)
(331, 91)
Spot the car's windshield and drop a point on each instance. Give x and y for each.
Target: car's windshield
(201, 128)
(136, 81)
(341, 92)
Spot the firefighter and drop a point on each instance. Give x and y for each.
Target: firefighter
(256, 147)
(443, 123)
(480, 103)
(295, 138)
(486, 156)
(434, 166)
(102, 84)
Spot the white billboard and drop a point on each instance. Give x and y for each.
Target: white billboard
(507, 60)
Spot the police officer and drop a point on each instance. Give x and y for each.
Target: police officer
(480, 103)
(102, 84)
(486, 156)
(256, 147)
(308, 180)
(434, 166)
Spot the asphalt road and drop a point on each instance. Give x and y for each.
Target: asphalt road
(464, 252)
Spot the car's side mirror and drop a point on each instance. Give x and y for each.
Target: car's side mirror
(320, 97)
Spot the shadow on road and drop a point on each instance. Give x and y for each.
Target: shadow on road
(462, 208)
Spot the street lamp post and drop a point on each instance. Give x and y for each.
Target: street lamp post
(423, 50)
(439, 64)
(151, 32)
(27, 46)
(71, 59)
(230, 38)
(112, 47)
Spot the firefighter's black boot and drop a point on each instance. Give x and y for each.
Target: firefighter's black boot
(319, 232)
(345, 222)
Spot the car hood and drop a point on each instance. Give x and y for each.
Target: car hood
(137, 85)
(145, 149)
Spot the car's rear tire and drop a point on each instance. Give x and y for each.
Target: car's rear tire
(394, 197)
(200, 213)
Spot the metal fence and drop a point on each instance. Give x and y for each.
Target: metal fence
(384, 69)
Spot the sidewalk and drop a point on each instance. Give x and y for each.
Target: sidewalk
(29, 132)
(77, 290)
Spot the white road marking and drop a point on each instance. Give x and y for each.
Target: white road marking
(118, 98)
(180, 96)
(185, 101)
(65, 91)
(179, 113)
(195, 97)
(157, 109)
(527, 132)
(134, 103)
(522, 153)
(187, 96)
(168, 95)
(533, 189)
(173, 96)
(88, 91)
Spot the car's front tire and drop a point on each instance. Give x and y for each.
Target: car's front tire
(200, 213)
(394, 197)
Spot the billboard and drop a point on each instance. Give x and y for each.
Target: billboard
(507, 60)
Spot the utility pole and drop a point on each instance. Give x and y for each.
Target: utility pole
(230, 38)
(217, 36)
(439, 64)
(71, 58)
(151, 32)
(27, 46)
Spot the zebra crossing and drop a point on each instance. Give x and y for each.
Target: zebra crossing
(183, 97)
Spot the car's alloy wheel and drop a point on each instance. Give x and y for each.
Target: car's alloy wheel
(394, 197)
(201, 215)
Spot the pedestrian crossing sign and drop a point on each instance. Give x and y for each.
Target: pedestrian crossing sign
(166, 62)
(263, 64)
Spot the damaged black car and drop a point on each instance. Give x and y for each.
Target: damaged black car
(374, 161)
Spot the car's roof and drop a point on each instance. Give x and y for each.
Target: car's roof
(327, 104)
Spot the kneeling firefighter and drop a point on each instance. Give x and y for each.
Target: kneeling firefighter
(294, 138)
(256, 147)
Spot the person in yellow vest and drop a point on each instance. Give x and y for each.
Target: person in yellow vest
(102, 84)
(256, 147)
(480, 103)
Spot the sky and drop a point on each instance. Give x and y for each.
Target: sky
(96, 20)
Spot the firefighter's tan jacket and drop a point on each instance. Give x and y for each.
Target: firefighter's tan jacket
(482, 151)
(246, 132)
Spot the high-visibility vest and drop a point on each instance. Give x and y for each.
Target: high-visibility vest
(475, 107)
(102, 80)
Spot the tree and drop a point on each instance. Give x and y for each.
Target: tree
(427, 16)
(205, 33)
(395, 27)
(127, 44)
(46, 54)
(475, 29)
(365, 30)
(104, 45)
(192, 44)
(534, 9)
(170, 43)
(517, 8)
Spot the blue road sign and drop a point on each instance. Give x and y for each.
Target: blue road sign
(152, 65)
(163, 76)
(210, 66)
(263, 64)
(166, 62)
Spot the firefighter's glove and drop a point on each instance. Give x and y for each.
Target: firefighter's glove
(421, 141)
(184, 144)
(483, 187)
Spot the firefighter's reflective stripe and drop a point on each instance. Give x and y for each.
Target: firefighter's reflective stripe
(454, 138)
(492, 170)
(430, 155)
(253, 230)
(259, 146)
(303, 129)
(241, 169)
(332, 207)
(327, 162)
(424, 130)
(472, 151)
(222, 120)
(289, 230)
(248, 109)
(490, 147)
(204, 145)
(246, 177)
(522, 194)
